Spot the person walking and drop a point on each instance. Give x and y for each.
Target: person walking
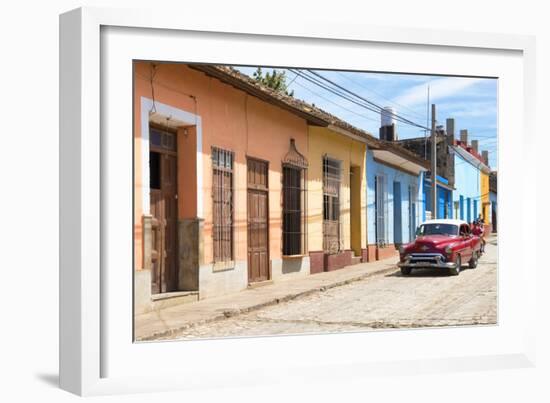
(479, 231)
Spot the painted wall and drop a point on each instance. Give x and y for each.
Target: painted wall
(485, 198)
(444, 196)
(323, 141)
(404, 181)
(467, 188)
(232, 120)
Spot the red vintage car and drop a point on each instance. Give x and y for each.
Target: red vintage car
(442, 244)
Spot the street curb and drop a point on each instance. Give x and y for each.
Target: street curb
(274, 301)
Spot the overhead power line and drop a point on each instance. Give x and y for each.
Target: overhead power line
(334, 88)
(370, 103)
(412, 111)
(331, 90)
(303, 74)
(363, 116)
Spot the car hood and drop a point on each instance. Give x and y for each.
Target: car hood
(434, 241)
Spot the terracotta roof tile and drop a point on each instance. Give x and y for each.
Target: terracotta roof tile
(311, 113)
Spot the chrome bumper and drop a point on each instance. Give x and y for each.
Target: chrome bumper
(427, 265)
(428, 260)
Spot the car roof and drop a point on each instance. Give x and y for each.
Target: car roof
(446, 221)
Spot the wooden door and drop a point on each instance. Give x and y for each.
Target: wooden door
(257, 221)
(163, 195)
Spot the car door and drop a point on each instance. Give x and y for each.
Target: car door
(466, 242)
(471, 242)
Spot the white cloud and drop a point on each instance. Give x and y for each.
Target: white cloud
(440, 88)
(469, 109)
(474, 113)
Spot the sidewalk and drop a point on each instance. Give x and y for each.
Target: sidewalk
(165, 322)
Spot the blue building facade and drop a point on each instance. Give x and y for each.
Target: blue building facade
(444, 198)
(394, 203)
(467, 194)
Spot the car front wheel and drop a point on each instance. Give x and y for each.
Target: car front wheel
(454, 271)
(405, 271)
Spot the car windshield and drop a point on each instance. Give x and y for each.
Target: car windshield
(438, 229)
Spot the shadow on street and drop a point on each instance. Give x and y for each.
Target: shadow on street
(425, 273)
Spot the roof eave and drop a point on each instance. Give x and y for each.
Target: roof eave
(213, 71)
(363, 137)
(404, 153)
(472, 159)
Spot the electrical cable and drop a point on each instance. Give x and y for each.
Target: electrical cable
(378, 107)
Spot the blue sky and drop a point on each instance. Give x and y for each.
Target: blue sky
(472, 102)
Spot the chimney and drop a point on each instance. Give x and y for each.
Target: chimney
(464, 136)
(475, 145)
(450, 131)
(485, 157)
(450, 127)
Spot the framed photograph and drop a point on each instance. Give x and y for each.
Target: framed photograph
(284, 200)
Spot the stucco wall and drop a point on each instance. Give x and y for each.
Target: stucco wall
(232, 120)
(323, 141)
(405, 180)
(485, 199)
(444, 201)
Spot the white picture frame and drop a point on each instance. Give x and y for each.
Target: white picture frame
(96, 355)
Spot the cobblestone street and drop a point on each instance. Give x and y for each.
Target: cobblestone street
(388, 300)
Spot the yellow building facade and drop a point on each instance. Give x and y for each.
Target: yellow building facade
(337, 206)
(485, 200)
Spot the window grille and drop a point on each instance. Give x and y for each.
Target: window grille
(222, 195)
(331, 205)
(294, 202)
(294, 195)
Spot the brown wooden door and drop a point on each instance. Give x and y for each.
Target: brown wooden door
(163, 197)
(258, 221)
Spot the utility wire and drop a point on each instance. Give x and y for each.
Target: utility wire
(415, 113)
(378, 107)
(334, 91)
(327, 88)
(332, 102)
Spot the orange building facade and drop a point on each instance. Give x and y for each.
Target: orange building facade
(211, 162)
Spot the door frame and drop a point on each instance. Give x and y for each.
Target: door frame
(355, 180)
(269, 276)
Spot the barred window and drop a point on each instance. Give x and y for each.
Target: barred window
(222, 195)
(331, 205)
(294, 201)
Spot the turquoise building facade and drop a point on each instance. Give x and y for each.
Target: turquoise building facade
(394, 203)
(467, 193)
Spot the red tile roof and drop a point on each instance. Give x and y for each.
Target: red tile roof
(312, 114)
